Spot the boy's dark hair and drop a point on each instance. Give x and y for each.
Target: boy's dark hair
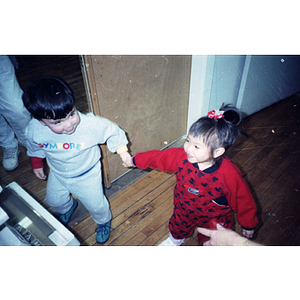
(221, 132)
(48, 98)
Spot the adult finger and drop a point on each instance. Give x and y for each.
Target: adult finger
(219, 226)
(204, 231)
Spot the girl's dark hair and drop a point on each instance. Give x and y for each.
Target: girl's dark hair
(221, 132)
(48, 98)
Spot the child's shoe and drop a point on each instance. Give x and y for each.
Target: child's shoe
(65, 218)
(103, 231)
(10, 158)
(170, 241)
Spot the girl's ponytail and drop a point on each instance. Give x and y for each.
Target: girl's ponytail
(218, 128)
(231, 114)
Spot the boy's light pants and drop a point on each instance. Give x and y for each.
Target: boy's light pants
(14, 117)
(87, 188)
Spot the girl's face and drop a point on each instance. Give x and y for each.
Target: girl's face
(198, 152)
(66, 125)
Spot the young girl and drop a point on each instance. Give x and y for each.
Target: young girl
(208, 184)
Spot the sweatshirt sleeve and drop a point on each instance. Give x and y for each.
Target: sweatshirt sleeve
(112, 134)
(164, 160)
(33, 149)
(240, 199)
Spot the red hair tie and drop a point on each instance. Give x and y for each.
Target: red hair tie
(215, 114)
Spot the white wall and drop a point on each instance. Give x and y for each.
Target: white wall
(251, 83)
(268, 79)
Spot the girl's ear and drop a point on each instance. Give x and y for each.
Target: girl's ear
(219, 152)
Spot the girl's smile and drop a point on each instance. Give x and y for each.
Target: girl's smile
(198, 152)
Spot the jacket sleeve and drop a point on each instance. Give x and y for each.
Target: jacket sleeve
(240, 199)
(164, 160)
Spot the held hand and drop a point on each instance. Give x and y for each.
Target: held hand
(126, 158)
(39, 173)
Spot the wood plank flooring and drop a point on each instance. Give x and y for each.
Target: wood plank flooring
(66, 67)
(269, 160)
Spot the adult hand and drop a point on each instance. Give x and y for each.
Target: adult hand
(224, 237)
(219, 237)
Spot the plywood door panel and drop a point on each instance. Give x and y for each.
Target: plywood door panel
(90, 87)
(147, 96)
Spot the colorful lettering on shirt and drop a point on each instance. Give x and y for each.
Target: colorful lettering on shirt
(65, 146)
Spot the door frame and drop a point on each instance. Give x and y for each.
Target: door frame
(91, 92)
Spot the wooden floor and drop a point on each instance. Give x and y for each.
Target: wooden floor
(66, 67)
(269, 160)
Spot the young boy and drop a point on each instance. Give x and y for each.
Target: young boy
(69, 142)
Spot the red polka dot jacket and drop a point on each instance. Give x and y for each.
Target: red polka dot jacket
(223, 186)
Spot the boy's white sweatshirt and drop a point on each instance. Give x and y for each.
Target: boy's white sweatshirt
(74, 154)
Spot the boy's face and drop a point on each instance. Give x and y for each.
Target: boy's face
(66, 125)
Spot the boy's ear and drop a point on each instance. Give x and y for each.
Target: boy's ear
(219, 152)
(42, 122)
